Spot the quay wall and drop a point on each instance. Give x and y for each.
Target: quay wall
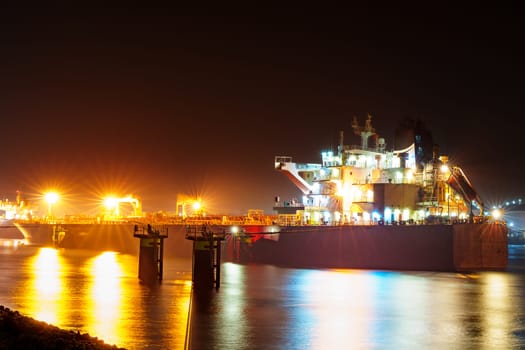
(403, 247)
(114, 237)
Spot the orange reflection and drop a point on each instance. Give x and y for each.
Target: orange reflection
(106, 297)
(45, 299)
(498, 308)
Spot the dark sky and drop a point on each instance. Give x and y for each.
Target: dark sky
(161, 101)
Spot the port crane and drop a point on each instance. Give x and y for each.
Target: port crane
(113, 203)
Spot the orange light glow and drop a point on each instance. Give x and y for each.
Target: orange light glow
(51, 197)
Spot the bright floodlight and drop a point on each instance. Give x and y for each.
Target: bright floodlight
(496, 214)
(110, 202)
(444, 168)
(197, 206)
(51, 197)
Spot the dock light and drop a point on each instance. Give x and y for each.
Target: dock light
(110, 202)
(496, 214)
(197, 206)
(51, 198)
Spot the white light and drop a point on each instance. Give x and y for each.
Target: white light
(51, 197)
(388, 213)
(496, 214)
(110, 202)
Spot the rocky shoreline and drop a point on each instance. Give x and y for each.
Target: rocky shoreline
(22, 332)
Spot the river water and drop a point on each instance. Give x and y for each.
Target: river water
(266, 307)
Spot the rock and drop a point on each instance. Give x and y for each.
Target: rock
(22, 332)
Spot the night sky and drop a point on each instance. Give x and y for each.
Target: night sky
(156, 102)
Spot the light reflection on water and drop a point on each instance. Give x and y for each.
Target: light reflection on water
(266, 307)
(261, 307)
(98, 293)
(106, 294)
(45, 285)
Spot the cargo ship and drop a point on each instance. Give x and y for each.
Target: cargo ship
(363, 206)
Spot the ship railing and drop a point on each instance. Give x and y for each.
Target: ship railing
(157, 231)
(283, 159)
(286, 204)
(205, 232)
(308, 166)
(228, 221)
(323, 177)
(261, 221)
(202, 221)
(360, 148)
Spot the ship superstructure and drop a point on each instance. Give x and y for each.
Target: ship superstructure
(369, 184)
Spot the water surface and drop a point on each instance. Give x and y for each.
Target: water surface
(266, 307)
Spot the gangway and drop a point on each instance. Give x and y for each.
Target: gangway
(290, 169)
(461, 184)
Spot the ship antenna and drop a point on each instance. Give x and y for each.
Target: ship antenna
(341, 144)
(365, 132)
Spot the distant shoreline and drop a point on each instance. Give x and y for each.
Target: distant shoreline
(22, 332)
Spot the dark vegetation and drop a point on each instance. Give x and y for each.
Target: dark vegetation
(22, 332)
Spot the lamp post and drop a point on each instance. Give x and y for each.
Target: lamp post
(197, 208)
(112, 205)
(51, 198)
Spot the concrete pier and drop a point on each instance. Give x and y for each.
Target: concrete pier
(206, 256)
(151, 253)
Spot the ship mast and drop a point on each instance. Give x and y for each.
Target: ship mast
(365, 132)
